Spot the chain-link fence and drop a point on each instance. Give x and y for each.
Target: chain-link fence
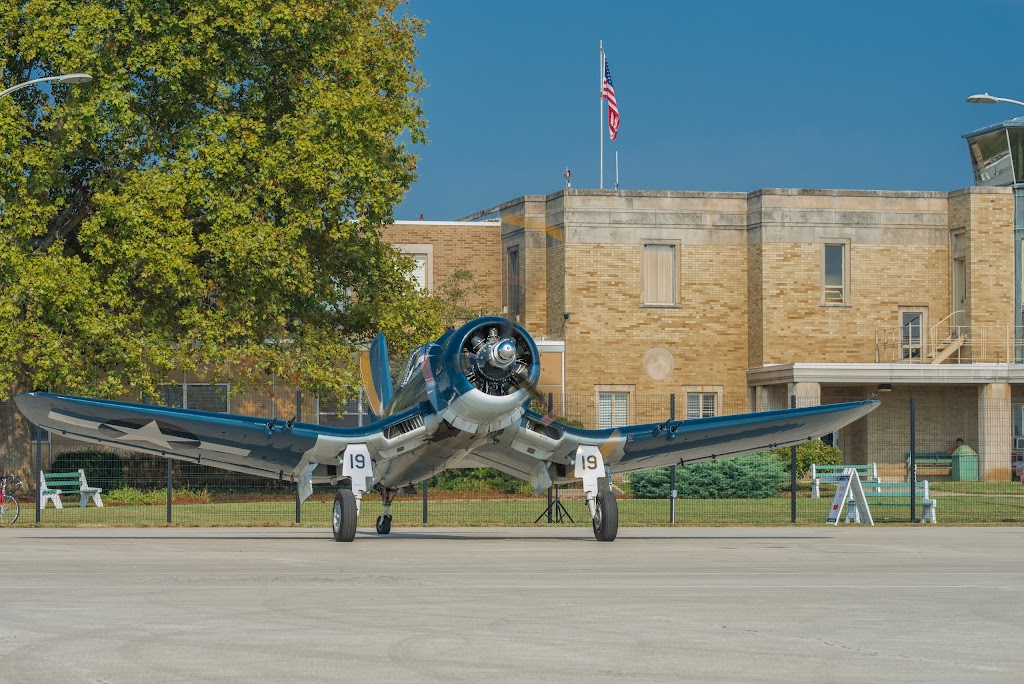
(975, 481)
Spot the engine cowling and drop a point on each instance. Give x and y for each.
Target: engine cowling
(484, 371)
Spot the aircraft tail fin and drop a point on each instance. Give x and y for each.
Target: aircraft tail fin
(376, 374)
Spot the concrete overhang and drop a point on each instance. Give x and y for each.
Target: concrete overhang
(894, 373)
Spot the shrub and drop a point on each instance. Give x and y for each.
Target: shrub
(650, 484)
(744, 477)
(129, 496)
(807, 453)
(479, 480)
(104, 469)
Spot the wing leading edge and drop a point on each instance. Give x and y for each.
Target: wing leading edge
(257, 446)
(655, 445)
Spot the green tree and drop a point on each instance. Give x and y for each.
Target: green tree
(453, 295)
(814, 451)
(213, 199)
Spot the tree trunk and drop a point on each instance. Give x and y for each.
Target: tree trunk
(17, 450)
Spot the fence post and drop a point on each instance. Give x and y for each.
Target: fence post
(424, 503)
(298, 418)
(792, 473)
(169, 490)
(913, 462)
(672, 470)
(39, 467)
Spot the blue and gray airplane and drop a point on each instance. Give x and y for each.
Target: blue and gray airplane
(461, 402)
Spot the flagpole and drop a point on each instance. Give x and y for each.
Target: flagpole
(616, 169)
(600, 113)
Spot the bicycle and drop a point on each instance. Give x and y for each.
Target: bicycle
(9, 508)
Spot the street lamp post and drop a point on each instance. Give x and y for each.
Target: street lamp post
(63, 78)
(985, 98)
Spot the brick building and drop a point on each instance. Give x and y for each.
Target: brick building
(738, 301)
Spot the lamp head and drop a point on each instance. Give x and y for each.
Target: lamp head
(983, 98)
(74, 78)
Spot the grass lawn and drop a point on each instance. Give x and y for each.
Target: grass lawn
(952, 508)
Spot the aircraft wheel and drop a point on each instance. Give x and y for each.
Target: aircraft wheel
(606, 522)
(383, 524)
(343, 521)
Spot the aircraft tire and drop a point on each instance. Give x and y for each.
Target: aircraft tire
(606, 523)
(383, 524)
(343, 521)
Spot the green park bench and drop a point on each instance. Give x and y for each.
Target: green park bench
(52, 485)
(898, 494)
(868, 474)
(932, 463)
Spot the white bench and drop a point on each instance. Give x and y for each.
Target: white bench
(868, 474)
(52, 485)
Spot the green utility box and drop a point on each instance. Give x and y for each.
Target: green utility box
(965, 465)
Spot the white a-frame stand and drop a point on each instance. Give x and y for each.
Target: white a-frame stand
(850, 490)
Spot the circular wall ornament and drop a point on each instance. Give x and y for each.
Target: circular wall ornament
(658, 363)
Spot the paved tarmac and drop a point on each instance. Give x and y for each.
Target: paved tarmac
(924, 604)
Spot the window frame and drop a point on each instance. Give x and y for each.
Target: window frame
(716, 391)
(628, 390)
(846, 295)
(224, 387)
(421, 250)
(676, 275)
(513, 283)
(922, 346)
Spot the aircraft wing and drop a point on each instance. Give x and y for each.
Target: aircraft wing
(258, 446)
(655, 445)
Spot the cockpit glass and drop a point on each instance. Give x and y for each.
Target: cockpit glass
(414, 363)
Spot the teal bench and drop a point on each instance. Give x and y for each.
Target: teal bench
(896, 494)
(868, 474)
(52, 485)
(932, 463)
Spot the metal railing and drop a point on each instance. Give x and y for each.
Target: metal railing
(949, 341)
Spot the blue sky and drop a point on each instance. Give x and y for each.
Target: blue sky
(734, 96)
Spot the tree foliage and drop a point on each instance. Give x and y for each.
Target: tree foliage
(213, 199)
(814, 451)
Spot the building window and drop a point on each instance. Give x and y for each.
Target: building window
(913, 322)
(613, 405)
(835, 273)
(512, 288)
(354, 413)
(199, 396)
(422, 272)
(701, 405)
(419, 270)
(658, 275)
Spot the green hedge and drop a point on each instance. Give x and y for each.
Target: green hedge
(745, 477)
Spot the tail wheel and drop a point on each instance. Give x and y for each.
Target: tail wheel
(383, 524)
(343, 521)
(606, 522)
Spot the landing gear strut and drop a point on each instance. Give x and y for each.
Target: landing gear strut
(604, 511)
(384, 520)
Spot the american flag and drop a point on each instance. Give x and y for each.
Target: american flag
(608, 93)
